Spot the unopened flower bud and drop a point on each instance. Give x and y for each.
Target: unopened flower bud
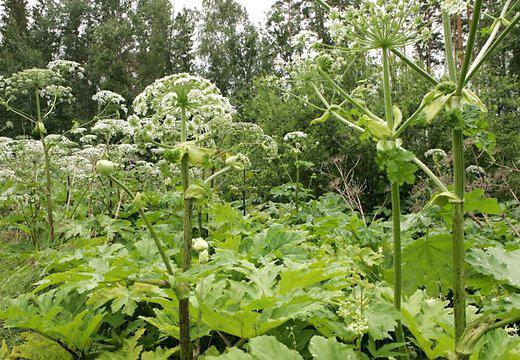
(105, 167)
(199, 244)
(203, 257)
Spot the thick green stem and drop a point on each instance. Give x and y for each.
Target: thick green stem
(431, 175)
(217, 174)
(47, 159)
(459, 301)
(244, 210)
(149, 226)
(409, 121)
(396, 207)
(349, 98)
(482, 58)
(415, 67)
(495, 27)
(448, 47)
(396, 228)
(389, 116)
(469, 46)
(184, 300)
(297, 188)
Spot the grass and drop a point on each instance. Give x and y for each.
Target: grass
(19, 270)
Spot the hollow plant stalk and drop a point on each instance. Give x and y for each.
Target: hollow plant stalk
(148, 225)
(459, 301)
(459, 298)
(184, 298)
(297, 188)
(244, 195)
(47, 159)
(396, 208)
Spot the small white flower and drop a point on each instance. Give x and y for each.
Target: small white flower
(64, 67)
(435, 153)
(92, 153)
(113, 127)
(475, 170)
(106, 98)
(294, 136)
(88, 139)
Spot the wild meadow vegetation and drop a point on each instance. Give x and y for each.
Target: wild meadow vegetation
(338, 184)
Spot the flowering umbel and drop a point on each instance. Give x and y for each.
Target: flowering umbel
(377, 24)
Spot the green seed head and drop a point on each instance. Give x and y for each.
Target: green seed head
(106, 168)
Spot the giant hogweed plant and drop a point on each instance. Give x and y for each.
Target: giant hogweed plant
(56, 155)
(176, 114)
(47, 88)
(387, 27)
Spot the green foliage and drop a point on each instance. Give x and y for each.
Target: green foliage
(267, 282)
(268, 347)
(329, 349)
(472, 121)
(430, 321)
(397, 162)
(56, 314)
(497, 344)
(427, 263)
(35, 347)
(498, 262)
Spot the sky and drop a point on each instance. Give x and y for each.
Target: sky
(255, 8)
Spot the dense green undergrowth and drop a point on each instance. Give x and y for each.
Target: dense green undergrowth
(276, 282)
(148, 232)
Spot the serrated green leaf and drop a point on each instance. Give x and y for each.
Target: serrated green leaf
(427, 263)
(129, 351)
(499, 345)
(232, 354)
(382, 319)
(475, 201)
(329, 349)
(268, 348)
(501, 264)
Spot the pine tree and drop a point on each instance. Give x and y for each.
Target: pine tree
(228, 45)
(153, 30)
(183, 33)
(111, 47)
(45, 31)
(16, 51)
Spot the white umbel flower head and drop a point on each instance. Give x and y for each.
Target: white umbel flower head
(475, 170)
(113, 127)
(435, 154)
(453, 7)
(107, 98)
(203, 257)
(377, 24)
(238, 161)
(106, 167)
(295, 136)
(66, 67)
(166, 98)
